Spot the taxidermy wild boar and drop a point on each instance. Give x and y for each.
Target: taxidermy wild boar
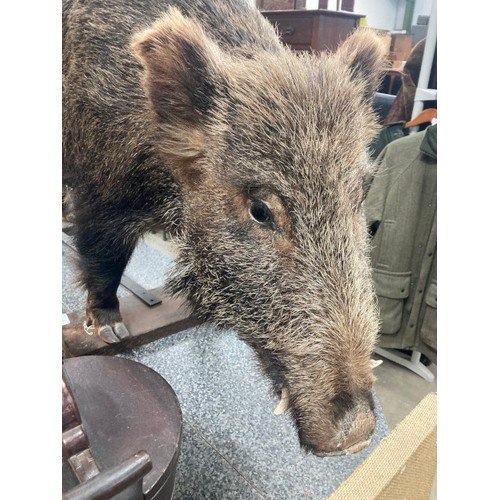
(192, 116)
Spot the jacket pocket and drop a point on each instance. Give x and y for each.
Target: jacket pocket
(428, 331)
(392, 291)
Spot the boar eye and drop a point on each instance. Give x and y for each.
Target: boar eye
(261, 213)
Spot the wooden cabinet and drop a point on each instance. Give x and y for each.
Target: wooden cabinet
(313, 30)
(280, 4)
(401, 45)
(347, 5)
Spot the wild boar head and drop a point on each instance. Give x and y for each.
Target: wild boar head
(269, 150)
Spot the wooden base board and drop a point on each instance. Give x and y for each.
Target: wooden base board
(144, 323)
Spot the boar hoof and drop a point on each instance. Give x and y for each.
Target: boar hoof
(107, 334)
(113, 334)
(110, 334)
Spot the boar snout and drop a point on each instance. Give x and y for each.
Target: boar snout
(355, 427)
(350, 429)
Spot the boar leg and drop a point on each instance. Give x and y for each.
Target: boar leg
(104, 253)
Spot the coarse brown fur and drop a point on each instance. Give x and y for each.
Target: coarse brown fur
(193, 116)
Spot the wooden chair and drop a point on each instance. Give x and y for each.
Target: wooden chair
(121, 434)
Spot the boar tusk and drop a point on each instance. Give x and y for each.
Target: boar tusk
(283, 404)
(375, 362)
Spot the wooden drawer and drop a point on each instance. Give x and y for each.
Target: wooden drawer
(281, 4)
(313, 30)
(296, 30)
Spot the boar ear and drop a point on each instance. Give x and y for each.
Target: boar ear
(365, 54)
(182, 77)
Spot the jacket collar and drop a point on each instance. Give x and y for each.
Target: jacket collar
(429, 143)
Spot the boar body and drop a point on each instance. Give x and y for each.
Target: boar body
(194, 117)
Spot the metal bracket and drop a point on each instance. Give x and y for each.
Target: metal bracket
(141, 293)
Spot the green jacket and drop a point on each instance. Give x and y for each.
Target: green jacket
(401, 211)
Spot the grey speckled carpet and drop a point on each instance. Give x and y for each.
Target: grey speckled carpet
(233, 447)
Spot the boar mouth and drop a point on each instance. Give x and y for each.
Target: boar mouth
(355, 448)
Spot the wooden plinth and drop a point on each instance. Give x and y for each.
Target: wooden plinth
(144, 323)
